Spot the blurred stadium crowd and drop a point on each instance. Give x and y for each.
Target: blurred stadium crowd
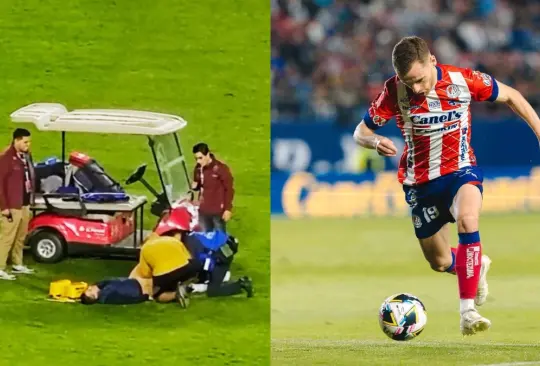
(331, 57)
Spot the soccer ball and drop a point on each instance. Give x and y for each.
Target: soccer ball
(402, 317)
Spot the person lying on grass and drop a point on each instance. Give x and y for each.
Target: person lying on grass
(176, 260)
(166, 261)
(118, 291)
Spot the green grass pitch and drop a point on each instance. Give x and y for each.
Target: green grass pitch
(204, 60)
(329, 278)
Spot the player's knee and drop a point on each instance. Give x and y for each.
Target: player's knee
(467, 223)
(440, 264)
(163, 298)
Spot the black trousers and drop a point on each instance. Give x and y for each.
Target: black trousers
(212, 222)
(216, 287)
(167, 282)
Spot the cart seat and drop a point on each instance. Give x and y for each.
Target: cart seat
(99, 217)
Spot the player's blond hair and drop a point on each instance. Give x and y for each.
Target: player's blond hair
(407, 51)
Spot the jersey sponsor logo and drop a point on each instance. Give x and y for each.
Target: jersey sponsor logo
(486, 79)
(432, 118)
(463, 151)
(434, 104)
(378, 120)
(453, 91)
(434, 131)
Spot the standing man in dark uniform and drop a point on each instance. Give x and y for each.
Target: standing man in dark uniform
(213, 179)
(16, 195)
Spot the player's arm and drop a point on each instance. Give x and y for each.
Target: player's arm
(367, 138)
(196, 184)
(515, 100)
(380, 110)
(484, 87)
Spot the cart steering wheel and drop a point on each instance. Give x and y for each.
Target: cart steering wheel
(136, 175)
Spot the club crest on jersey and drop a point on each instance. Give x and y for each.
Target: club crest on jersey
(378, 120)
(411, 199)
(434, 104)
(417, 221)
(453, 91)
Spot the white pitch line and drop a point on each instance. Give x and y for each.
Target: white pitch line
(362, 342)
(512, 363)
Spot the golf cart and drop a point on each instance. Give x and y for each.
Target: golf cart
(78, 207)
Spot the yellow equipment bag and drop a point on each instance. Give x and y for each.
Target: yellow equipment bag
(66, 291)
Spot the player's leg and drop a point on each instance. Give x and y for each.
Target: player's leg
(430, 219)
(166, 284)
(465, 222)
(166, 297)
(438, 252)
(217, 287)
(466, 208)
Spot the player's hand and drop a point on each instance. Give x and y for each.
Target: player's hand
(386, 147)
(6, 213)
(226, 215)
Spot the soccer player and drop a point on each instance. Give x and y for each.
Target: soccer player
(441, 180)
(120, 291)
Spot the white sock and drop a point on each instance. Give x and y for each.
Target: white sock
(227, 276)
(466, 304)
(199, 287)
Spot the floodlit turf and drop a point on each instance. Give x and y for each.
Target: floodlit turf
(204, 60)
(329, 278)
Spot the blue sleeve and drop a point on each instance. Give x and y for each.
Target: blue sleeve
(369, 122)
(494, 90)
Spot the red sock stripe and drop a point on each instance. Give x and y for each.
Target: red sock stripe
(452, 268)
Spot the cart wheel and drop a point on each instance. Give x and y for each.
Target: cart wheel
(47, 247)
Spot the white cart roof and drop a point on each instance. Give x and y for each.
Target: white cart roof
(55, 117)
